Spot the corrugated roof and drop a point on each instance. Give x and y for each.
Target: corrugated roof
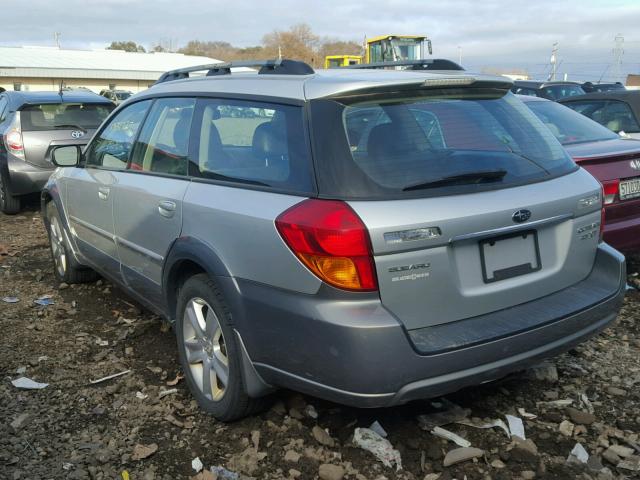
(51, 61)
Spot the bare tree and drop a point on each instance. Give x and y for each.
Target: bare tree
(127, 46)
(299, 42)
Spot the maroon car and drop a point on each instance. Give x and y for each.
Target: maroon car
(613, 160)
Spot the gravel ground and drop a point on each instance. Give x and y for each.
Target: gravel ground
(128, 427)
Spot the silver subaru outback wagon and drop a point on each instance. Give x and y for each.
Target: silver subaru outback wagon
(369, 237)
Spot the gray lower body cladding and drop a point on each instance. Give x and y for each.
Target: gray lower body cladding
(349, 349)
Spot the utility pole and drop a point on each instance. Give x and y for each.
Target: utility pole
(618, 51)
(56, 38)
(553, 61)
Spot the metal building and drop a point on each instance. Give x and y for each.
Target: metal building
(44, 68)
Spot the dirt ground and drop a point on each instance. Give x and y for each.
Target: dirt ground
(128, 427)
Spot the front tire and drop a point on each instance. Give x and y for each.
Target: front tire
(9, 204)
(65, 267)
(209, 352)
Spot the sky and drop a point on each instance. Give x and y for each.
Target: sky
(513, 34)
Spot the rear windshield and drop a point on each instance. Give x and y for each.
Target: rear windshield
(123, 95)
(430, 142)
(567, 126)
(556, 92)
(59, 116)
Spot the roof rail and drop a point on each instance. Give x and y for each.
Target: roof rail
(423, 64)
(282, 66)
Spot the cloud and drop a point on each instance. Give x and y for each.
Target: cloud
(517, 33)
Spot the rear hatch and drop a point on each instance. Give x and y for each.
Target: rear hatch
(472, 206)
(44, 126)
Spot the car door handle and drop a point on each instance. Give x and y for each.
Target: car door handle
(103, 193)
(167, 208)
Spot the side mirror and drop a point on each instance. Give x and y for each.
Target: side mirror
(66, 155)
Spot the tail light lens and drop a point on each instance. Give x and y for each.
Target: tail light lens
(610, 191)
(13, 139)
(331, 240)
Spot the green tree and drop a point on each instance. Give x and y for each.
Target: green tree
(127, 46)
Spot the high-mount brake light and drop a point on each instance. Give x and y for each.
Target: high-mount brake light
(331, 240)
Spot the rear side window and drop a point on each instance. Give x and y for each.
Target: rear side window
(3, 107)
(64, 116)
(252, 142)
(613, 114)
(163, 145)
(112, 147)
(428, 143)
(557, 92)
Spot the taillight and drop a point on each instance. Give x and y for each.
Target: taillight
(13, 139)
(610, 190)
(331, 240)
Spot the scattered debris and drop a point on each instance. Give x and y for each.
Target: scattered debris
(457, 439)
(141, 396)
(311, 411)
(376, 427)
(462, 455)
(197, 465)
(164, 393)
(450, 413)
(109, 377)
(631, 463)
(140, 452)
(565, 402)
(10, 299)
(44, 301)
(28, 384)
(516, 427)
(566, 428)
(322, 437)
(175, 381)
(545, 372)
(495, 423)
(578, 454)
(529, 416)
(224, 474)
(381, 448)
(328, 471)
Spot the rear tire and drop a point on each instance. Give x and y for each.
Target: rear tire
(209, 351)
(65, 267)
(9, 204)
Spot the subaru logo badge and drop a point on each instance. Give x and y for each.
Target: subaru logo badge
(77, 134)
(635, 164)
(521, 215)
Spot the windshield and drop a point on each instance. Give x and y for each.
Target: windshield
(567, 126)
(54, 116)
(556, 92)
(123, 95)
(450, 141)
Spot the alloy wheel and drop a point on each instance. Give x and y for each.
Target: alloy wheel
(205, 349)
(57, 247)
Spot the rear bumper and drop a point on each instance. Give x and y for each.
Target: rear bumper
(353, 351)
(26, 178)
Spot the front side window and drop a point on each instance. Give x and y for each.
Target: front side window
(252, 142)
(613, 114)
(568, 126)
(163, 145)
(112, 148)
(428, 142)
(64, 116)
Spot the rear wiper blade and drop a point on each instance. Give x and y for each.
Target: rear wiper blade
(76, 127)
(469, 177)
